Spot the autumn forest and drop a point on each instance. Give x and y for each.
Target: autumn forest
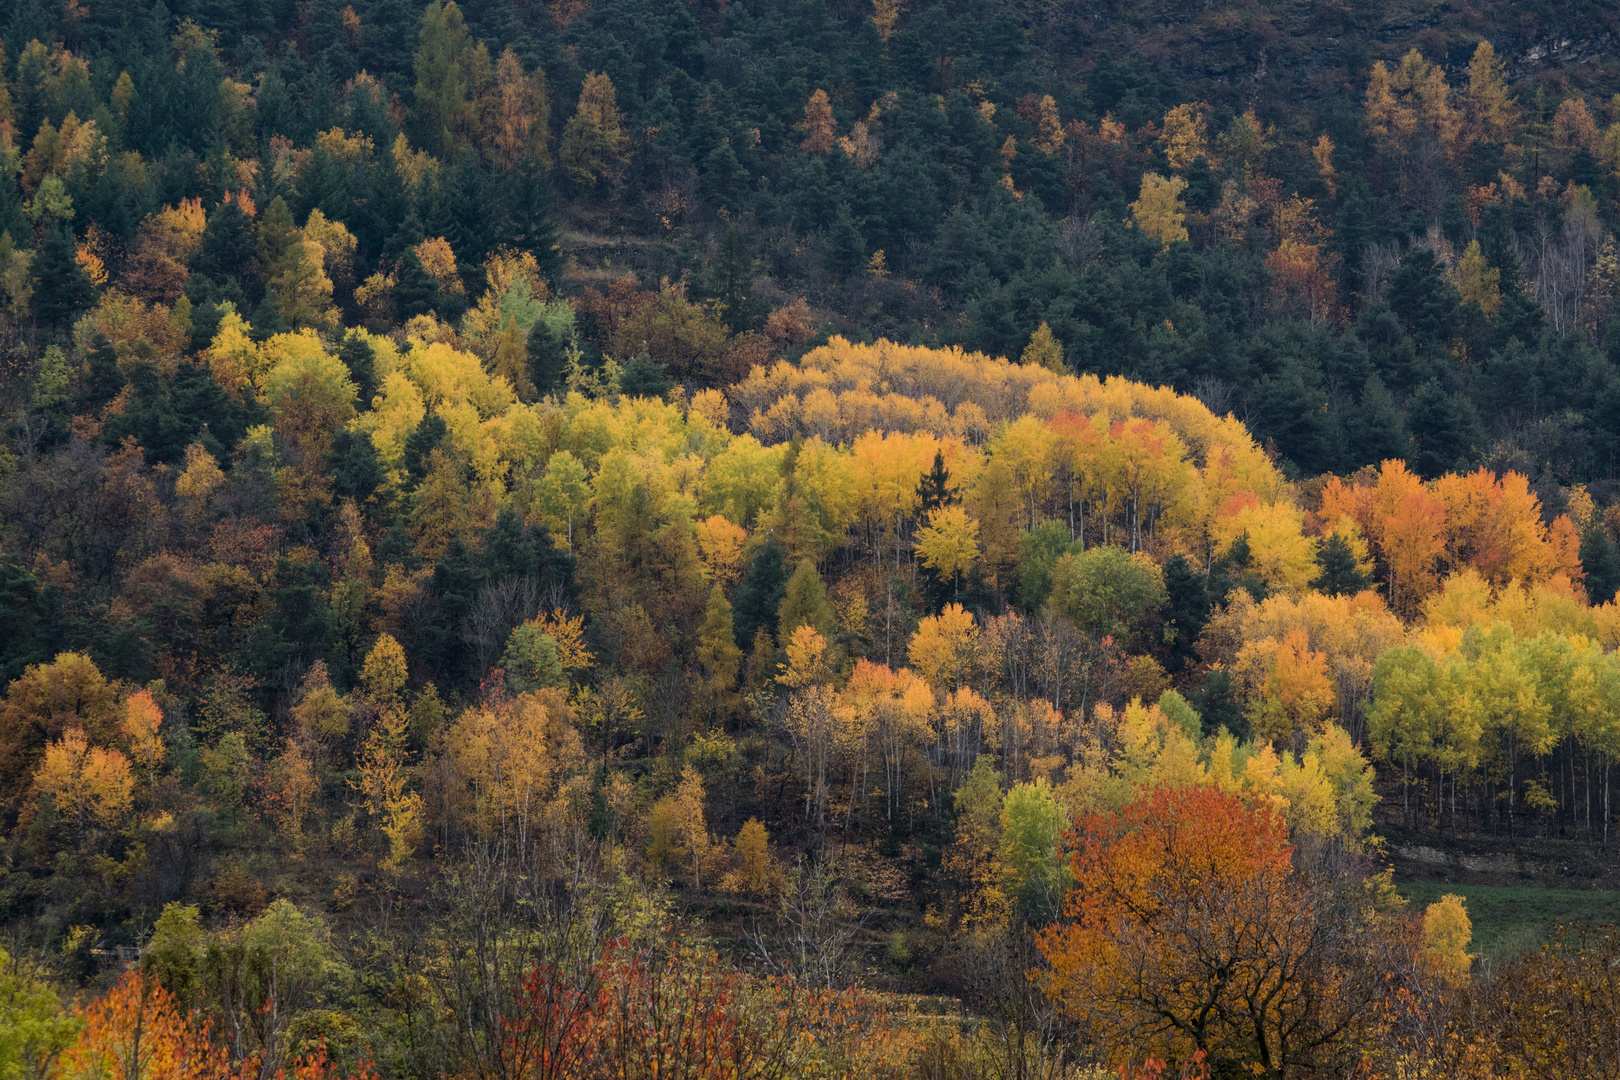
(747, 539)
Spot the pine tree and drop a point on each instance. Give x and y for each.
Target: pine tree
(416, 292)
(1374, 430)
(228, 249)
(1340, 574)
(61, 287)
(361, 360)
(760, 595)
(104, 378)
(548, 358)
(1601, 561)
(934, 489)
(804, 603)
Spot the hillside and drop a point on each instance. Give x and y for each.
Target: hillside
(609, 538)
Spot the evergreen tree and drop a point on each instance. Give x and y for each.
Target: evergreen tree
(1423, 300)
(1601, 561)
(525, 221)
(764, 584)
(420, 444)
(355, 472)
(1374, 430)
(61, 287)
(804, 601)
(1186, 610)
(103, 377)
(416, 293)
(1445, 430)
(548, 358)
(361, 360)
(1339, 574)
(228, 249)
(934, 489)
(644, 377)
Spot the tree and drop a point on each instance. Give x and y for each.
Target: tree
(949, 543)
(1189, 930)
(1044, 350)
(1159, 211)
(1341, 570)
(34, 1028)
(1447, 931)
(1108, 591)
(137, 1031)
(764, 585)
(443, 88)
(593, 140)
(756, 872)
(142, 722)
(804, 603)
(61, 287)
(819, 127)
(1477, 282)
(531, 661)
(1032, 827)
(1490, 111)
(944, 648)
(934, 489)
(548, 358)
(717, 649)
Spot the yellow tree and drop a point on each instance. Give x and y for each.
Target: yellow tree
(1158, 209)
(1490, 111)
(142, 723)
(1447, 931)
(945, 648)
(1044, 350)
(1184, 137)
(949, 543)
(819, 127)
(593, 140)
(87, 784)
(690, 827)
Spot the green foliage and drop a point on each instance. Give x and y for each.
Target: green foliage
(34, 1027)
(531, 661)
(1108, 591)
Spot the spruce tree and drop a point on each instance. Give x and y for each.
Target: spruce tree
(804, 601)
(548, 358)
(934, 489)
(1339, 573)
(361, 360)
(61, 287)
(416, 292)
(764, 584)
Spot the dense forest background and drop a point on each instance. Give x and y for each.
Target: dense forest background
(526, 524)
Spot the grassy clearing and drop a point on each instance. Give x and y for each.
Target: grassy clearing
(1508, 920)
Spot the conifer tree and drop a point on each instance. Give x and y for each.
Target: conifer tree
(934, 489)
(804, 603)
(61, 287)
(760, 595)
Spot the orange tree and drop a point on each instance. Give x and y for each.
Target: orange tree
(1195, 925)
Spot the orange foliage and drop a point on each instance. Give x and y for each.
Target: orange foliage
(1492, 524)
(1178, 934)
(136, 1031)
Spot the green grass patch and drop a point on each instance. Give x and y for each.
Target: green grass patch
(1509, 920)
